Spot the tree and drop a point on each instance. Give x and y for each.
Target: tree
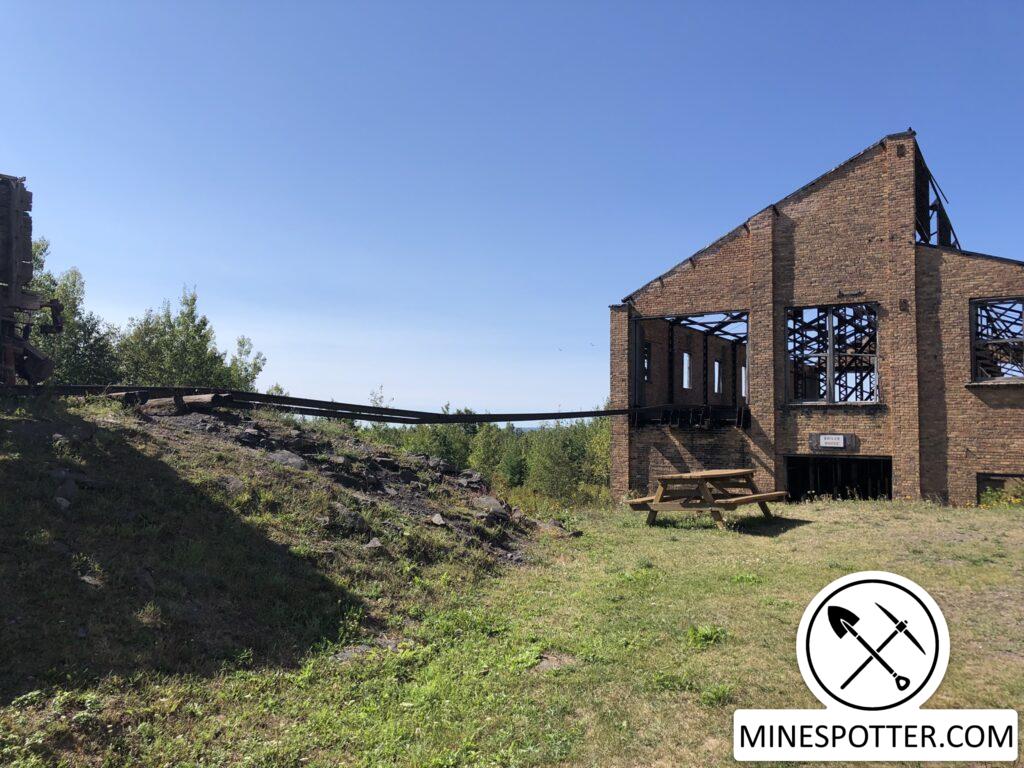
(451, 442)
(487, 449)
(179, 349)
(598, 456)
(86, 351)
(513, 467)
(555, 460)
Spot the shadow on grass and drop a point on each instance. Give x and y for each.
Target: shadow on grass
(765, 526)
(686, 523)
(146, 572)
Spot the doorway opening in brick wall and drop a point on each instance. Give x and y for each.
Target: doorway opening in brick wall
(841, 477)
(691, 370)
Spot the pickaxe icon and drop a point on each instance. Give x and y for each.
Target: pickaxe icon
(842, 621)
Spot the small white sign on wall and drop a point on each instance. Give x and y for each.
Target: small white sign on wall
(831, 441)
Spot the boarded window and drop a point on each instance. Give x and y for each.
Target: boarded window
(998, 344)
(686, 370)
(832, 353)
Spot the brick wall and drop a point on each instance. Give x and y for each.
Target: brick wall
(847, 238)
(964, 430)
(619, 397)
(660, 450)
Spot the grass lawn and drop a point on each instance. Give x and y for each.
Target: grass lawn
(628, 646)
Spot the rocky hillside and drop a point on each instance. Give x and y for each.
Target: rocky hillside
(147, 540)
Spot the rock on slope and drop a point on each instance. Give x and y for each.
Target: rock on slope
(135, 541)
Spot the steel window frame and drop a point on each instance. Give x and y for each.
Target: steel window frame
(830, 356)
(975, 305)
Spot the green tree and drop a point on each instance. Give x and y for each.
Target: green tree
(179, 349)
(555, 461)
(598, 451)
(487, 449)
(86, 351)
(451, 442)
(513, 467)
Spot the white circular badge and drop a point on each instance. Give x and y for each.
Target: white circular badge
(872, 641)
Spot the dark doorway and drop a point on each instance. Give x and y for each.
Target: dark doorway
(842, 477)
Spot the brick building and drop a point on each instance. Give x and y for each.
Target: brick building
(839, 341)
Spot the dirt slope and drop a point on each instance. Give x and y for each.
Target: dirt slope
(134, 541)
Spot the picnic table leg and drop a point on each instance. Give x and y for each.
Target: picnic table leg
(709, 499)
(652, 514)
(762, 504)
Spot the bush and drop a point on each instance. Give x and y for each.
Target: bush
(513, 469)
(487, 449)
(451, 442)
(561, 464)
(554, 461)
(1010, 495)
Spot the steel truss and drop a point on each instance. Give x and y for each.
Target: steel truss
(933, 226)
(833, 353)
(731, 326)
(998, 339)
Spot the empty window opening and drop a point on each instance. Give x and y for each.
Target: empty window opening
(998, 343)
(686, 362)
(832, 353)
(840, 477)
(994, 488)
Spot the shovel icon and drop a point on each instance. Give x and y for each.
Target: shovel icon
(842, 621)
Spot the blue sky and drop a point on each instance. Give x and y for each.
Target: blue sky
(443, 198)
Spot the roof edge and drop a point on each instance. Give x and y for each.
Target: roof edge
(975, 254)
(909, 133)
(720, 241)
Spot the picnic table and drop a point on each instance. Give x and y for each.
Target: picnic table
(709, 490)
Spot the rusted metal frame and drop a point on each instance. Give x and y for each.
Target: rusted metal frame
(942, 217)
(1006, 362)
(717, 328)
(830, 359)
(934, 208)
(861, 376)
(806, 340)
(704, 369)
(326, 409)
(735, 376)
(671, 363)
(974, 342)
(1001, 318)
(844, 324)
(995, 324)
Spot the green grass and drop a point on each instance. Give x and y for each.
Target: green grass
(659, 633)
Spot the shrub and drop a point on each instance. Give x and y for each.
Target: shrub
(554, 461)
(487, 449)
(1010, 495)
(513, 467)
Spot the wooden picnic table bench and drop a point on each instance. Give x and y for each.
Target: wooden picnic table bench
(709, 490)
